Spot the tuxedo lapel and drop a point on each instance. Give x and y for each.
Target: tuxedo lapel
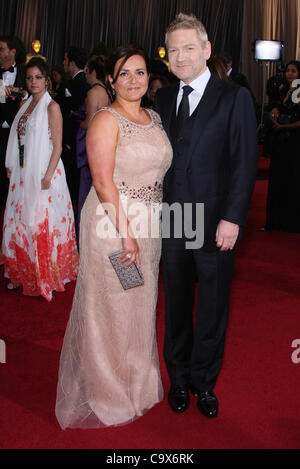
(169, 110)
(19, 79)
(204, 110)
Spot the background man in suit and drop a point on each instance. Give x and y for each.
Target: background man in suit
(234, 75)
(211, 124)
(11, 95)
(75, 59)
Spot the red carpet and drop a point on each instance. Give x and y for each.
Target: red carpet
(258, 388)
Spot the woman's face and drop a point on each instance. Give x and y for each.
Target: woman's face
(56, 77)
(36, 82)
(132, 82)
(291, 73)
(90, 76)
(155, 85)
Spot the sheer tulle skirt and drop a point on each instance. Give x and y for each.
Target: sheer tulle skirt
(109, 369)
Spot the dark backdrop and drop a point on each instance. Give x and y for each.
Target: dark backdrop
(59, 23)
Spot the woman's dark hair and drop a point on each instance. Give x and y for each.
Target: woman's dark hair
(286, 85)
(216, 67)
(297, 65)
(125, 52)
(164, 81)
(59, 69)
(97, 63)
(78, 55)
(40, 64)
(14, 42)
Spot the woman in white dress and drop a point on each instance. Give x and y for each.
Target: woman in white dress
(39, 244)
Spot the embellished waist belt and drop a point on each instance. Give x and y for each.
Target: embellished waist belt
(146, 194)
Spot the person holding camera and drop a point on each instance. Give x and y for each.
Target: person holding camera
(283, 200)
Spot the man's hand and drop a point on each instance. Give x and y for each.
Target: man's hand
(226, 235)
(12, 92)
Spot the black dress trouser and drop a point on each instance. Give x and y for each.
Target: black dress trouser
(194, 352)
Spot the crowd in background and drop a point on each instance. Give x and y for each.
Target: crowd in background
(80, 87)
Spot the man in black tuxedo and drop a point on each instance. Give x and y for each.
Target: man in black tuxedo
(212, 128)
(233, 74)
(11, 95)
(75, 59)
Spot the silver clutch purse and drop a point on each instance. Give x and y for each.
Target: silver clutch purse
(129, 277)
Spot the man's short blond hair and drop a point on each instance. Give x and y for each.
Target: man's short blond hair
(183, 21)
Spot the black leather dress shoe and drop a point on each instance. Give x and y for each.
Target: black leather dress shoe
(208, 404)
(178, 398)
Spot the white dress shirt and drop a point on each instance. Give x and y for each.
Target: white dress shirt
(198, 85)
(9, 78)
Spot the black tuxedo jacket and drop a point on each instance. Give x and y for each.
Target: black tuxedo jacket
(215, 154)
(78, 88)
(9, 109)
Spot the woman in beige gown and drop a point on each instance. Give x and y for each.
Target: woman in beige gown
(109, 369)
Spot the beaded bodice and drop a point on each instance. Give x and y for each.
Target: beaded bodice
(143, 156)
(21, 128)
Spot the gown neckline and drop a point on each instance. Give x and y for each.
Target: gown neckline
(132, 122)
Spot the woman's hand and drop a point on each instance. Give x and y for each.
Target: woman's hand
(8, 173)
(131, 252)
(45, 183)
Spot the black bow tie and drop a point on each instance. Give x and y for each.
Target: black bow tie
(3, 70)
(10, 69)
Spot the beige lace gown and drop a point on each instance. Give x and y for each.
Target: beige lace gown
(109, 369)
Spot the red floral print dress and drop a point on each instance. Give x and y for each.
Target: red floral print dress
(41, 257)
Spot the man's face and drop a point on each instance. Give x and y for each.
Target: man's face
(7, 56)
(66, 63)
(187, 54)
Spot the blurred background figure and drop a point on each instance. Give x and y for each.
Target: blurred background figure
(275, 85)
(217, 67)
(75, 59)
(98, 96)
(155, 82)
(233, 73)
(282, 144)
(12, 55)
(58, 80)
